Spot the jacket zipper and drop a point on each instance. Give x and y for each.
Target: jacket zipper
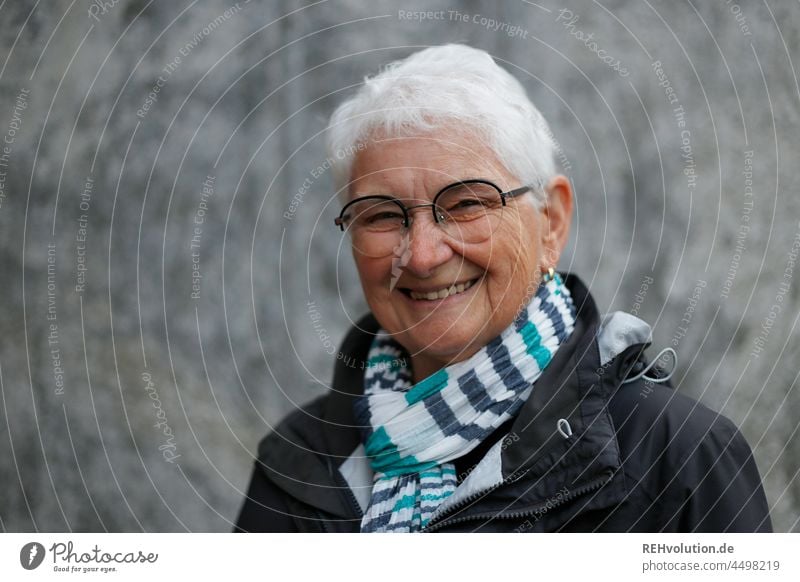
(588, 487)
(353, 501)
(323, 525)
(469, 499)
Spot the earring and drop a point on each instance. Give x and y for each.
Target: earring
(549, 275)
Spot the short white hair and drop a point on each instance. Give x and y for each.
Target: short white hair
(434, 88)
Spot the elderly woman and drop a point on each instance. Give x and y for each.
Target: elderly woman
(484, 392)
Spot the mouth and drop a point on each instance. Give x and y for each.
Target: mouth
(441, 293)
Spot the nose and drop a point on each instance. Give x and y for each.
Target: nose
(427, 245)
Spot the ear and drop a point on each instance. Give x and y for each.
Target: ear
(557, 213)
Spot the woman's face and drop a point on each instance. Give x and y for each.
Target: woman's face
(499, 274)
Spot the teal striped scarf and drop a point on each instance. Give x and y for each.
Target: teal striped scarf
(412, 432)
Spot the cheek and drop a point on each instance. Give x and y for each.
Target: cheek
(513, 251)
(373, 274)
(513, 263)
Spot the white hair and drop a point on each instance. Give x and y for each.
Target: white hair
(434, 88)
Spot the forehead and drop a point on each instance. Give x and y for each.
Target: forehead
(410, 166)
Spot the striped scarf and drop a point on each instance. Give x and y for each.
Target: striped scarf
(412, 432)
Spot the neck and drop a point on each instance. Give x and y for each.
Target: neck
(423, 366)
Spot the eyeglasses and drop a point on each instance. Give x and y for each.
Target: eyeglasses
(468, 211)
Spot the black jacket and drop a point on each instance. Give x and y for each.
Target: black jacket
(640, 456)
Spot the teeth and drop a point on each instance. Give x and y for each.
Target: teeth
(442, 293)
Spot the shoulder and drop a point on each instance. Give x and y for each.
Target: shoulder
(690, 462)
(664, 433)
(648, 408)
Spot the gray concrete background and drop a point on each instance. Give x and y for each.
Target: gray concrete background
(164, 396)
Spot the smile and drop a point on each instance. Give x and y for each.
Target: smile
(443, 293)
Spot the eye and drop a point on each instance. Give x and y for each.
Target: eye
(376, 214)
(466, 203)
(383, 216)
(469, 201)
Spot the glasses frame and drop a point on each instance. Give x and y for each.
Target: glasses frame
(438, 218)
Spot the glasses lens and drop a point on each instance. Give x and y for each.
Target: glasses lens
(471, 211)
(375, 226)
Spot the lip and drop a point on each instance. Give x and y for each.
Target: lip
(428, 303)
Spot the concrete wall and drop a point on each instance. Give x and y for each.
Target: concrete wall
(130, 405)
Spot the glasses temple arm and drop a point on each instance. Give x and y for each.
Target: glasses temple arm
(517, 191)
